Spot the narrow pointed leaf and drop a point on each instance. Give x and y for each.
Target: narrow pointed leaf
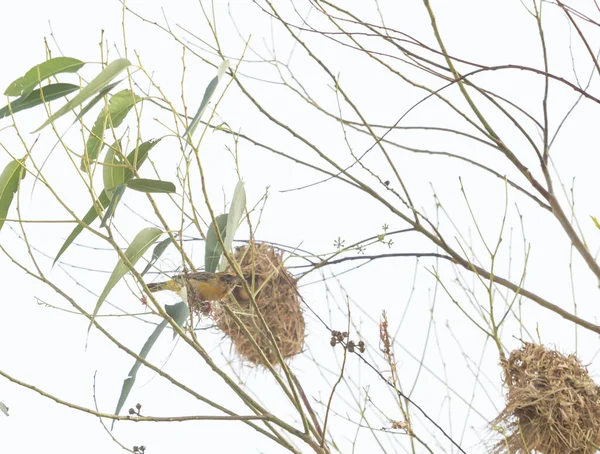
(213, 251)
(113, 170)
(210, 89)
(236, 211)
(146, 185)
(95, 140)
(10, 178)
(111, 71)
(136, 160)
(140, 244)
(596, 223)
(118, 107)
(103, 201)
(179, 313)
(51, 92)
(96, 99)
(159, 249)
(120, 104)
(89, 217)
(130, 380)
(117, 195)
(23, 86)
(3, 408)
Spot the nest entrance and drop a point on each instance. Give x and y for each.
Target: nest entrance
(277, 301)
(552, 406)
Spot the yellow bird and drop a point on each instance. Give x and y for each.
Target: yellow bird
(205, 286)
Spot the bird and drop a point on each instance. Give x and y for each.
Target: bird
(205, 286)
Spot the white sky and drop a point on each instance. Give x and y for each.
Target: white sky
(45, 347)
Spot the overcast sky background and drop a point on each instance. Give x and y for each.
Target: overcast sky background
(459, 383)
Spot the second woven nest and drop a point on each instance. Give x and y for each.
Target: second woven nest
(277, 302)
(552, 406)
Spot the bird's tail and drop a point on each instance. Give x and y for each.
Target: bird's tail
(167, 285)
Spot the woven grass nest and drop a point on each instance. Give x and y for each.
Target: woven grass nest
(552, 406)
(276, 295)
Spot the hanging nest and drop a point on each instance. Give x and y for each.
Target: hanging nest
(277, 301)
(552, 406)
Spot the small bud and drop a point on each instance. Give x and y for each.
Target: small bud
(350, 346)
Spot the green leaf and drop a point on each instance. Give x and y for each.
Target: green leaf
(96, 99)
(236, 211)
(179, 313)
(51, 92)
(140, 244)
(159, 249)
(136, 158)
(10, 178)
(213, 251)
(119, 106)
(130, 380)
(117, 194)
(146, 185)
(103, 201)
(208, 92)
(23, 86)
(111, 71)
(596, 223)
(3, 408)
(113, 170)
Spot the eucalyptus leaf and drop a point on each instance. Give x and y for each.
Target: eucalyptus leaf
(213, 250)
(146, 185)
(135, 157)
(111, 71)
(130, 380)
(10, 178)
(179, 313)
(3, 408)
(102, 202)
(117, 195)
(208, 92)
(51, 92)
(113, 169)
(140, 244)
(236, 211)
(158, 251)
(23, 86)
(118, 107)
(96, 99)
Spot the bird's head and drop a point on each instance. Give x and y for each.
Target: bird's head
(231, 280)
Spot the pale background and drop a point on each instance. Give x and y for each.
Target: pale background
(46, 347)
